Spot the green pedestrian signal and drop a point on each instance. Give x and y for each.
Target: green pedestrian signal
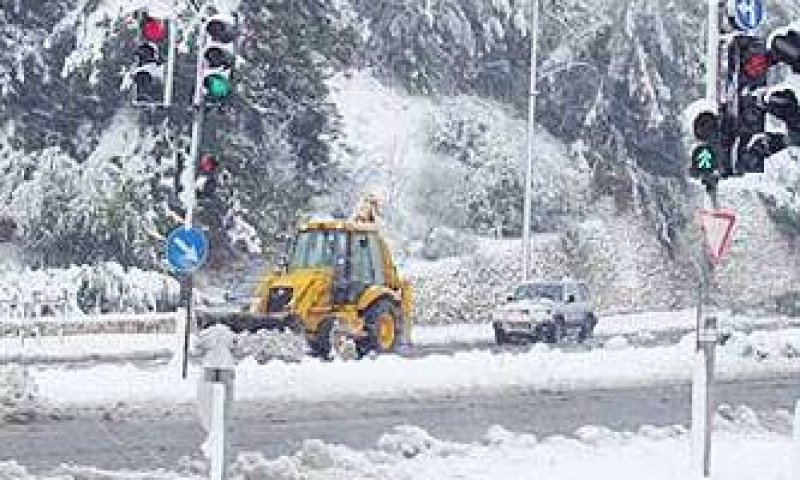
(704, 160)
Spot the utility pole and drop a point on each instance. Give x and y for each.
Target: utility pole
(532, 95)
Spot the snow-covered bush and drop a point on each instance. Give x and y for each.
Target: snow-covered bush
(101, 288)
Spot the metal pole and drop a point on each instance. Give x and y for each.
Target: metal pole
(187, 327)
(191, 187)
(532, 93)
(712, 51)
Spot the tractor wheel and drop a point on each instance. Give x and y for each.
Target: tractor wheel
(329, 342)
(383, 324)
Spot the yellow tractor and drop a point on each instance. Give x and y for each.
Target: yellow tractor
(340, 288)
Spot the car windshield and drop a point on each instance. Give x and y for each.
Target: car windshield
(552, 291)
(316, 249)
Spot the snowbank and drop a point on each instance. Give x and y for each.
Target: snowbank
(595, 452)
(464, 372)
(742, 451)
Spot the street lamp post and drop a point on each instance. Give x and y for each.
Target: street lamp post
(532, 93)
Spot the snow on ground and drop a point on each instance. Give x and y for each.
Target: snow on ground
(742, 450)
(389, 376)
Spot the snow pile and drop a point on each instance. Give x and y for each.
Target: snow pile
(389, 376)
(742, 451)
(19, 399)
(409, 453)
(263, 346)
(761, 345)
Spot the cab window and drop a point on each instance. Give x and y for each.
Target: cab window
(377, 259)
(363, 270)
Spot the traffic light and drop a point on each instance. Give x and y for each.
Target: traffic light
(704, 125)
(784, 47)
(782, 102)
(207, 171)
(748, 65)
(217, 59)
(155, 49)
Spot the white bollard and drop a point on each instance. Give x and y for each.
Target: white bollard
(215, 395)
(699, 386)
(795, 451)
(702, 404)
(216, 433)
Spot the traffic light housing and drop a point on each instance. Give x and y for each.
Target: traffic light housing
(217, 58)
(784, 47)
(748, 65)
(783, 101)
(155, 51)
(207, 172)
(705, 127)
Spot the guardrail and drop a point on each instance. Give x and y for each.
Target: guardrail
(77, 324)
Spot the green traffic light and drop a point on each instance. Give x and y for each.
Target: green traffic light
(217, 86)
(704, 158)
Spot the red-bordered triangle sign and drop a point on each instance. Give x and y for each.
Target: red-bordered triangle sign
(717, 227)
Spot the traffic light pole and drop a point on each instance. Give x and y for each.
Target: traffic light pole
(702, 401)
(190, 189)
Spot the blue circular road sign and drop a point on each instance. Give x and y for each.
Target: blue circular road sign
(187, 249)
(747, 14)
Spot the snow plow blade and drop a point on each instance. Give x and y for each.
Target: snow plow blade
(240, 322)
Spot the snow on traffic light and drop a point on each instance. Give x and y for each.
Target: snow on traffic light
(155, 50)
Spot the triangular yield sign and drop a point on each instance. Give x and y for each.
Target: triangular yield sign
(717, 226)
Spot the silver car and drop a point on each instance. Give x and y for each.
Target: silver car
(545, 311)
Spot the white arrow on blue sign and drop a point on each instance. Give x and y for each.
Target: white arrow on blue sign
(187, 249)
(747, 14)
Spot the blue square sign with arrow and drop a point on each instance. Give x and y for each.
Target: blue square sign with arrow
(187, 249)
(746, 14)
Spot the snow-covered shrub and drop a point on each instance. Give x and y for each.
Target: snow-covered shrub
(105, 287)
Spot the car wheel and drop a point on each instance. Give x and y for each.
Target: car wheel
(500, 336)
(587, 328)
(559, 329)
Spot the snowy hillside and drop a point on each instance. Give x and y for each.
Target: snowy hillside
(422, 101)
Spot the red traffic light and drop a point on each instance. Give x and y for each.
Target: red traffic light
(154, 30)
(756, 66)
(208, 164)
